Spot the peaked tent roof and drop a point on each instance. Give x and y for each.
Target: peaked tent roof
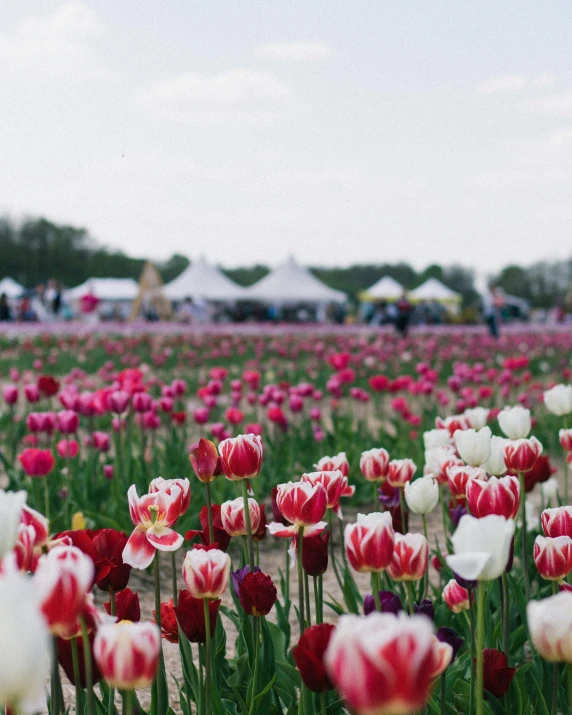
(386, 288)
(106, 289)
(292, 283)
(203, 280)
(11, 288)
(433, 289)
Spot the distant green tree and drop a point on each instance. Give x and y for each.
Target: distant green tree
(247, 276)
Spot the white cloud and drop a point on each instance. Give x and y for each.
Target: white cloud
(236, 94)
(503, 84)
(515, 83)
(56, 43)
(293, 50)
(556, 105)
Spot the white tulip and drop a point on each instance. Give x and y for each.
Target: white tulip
(477, 417)
(558, 400)
(11, 504)
(550, 626)
(515, 422)
(436, 438)
(495, 464)
(532, 516)
(422, 495)
(549, 491)
(25, 644)
(473, 447)
(482, 547)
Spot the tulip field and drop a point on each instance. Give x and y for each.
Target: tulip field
(291, 522)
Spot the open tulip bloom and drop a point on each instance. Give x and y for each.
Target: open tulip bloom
(153, 515)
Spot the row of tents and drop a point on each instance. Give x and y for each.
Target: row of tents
(289, 283)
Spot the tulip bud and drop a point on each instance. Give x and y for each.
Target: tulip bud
(456, 597)
(118, 401)
(436, 438)
(257, 594)
(206, 573)
(477, 417)
(557, 522)
(37, 462)
(205, 460)
(241, 457)
(68, 422)
(521, 454)
(558, 400)
(68, 448)
(191, 616)
(495, 496)
(460, 476)
(497, 676)
(366, 662)
(482, 547)
(495, 464)
(553, 557)
(550, 626)
(301, 503)
(373, 464)
(127, 654)
(232, 516)
(10, 394)
(515, 422)
(400, 471)
(315, 554)
(422, 495)
(369, 542)
(410, 556)
(309, 657)
(127, 607)
(473, 447)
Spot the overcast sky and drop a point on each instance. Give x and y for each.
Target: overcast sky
(338, 131)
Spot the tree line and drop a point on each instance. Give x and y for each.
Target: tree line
(35, 250)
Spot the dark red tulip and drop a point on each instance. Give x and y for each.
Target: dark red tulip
(190, 615)
(309, 657)
(315, 553)
(257, 594)
(540, 472)
(48, 386)
(105, 549)
(127, 606)
(497, 675)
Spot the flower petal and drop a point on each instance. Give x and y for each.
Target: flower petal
(164, 539)
(138, 552)
(469, 566)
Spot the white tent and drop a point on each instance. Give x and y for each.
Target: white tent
(202, 280)
(434, 290)
(106, 289)
(11, 288)
(386, 288)
(291, 283)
